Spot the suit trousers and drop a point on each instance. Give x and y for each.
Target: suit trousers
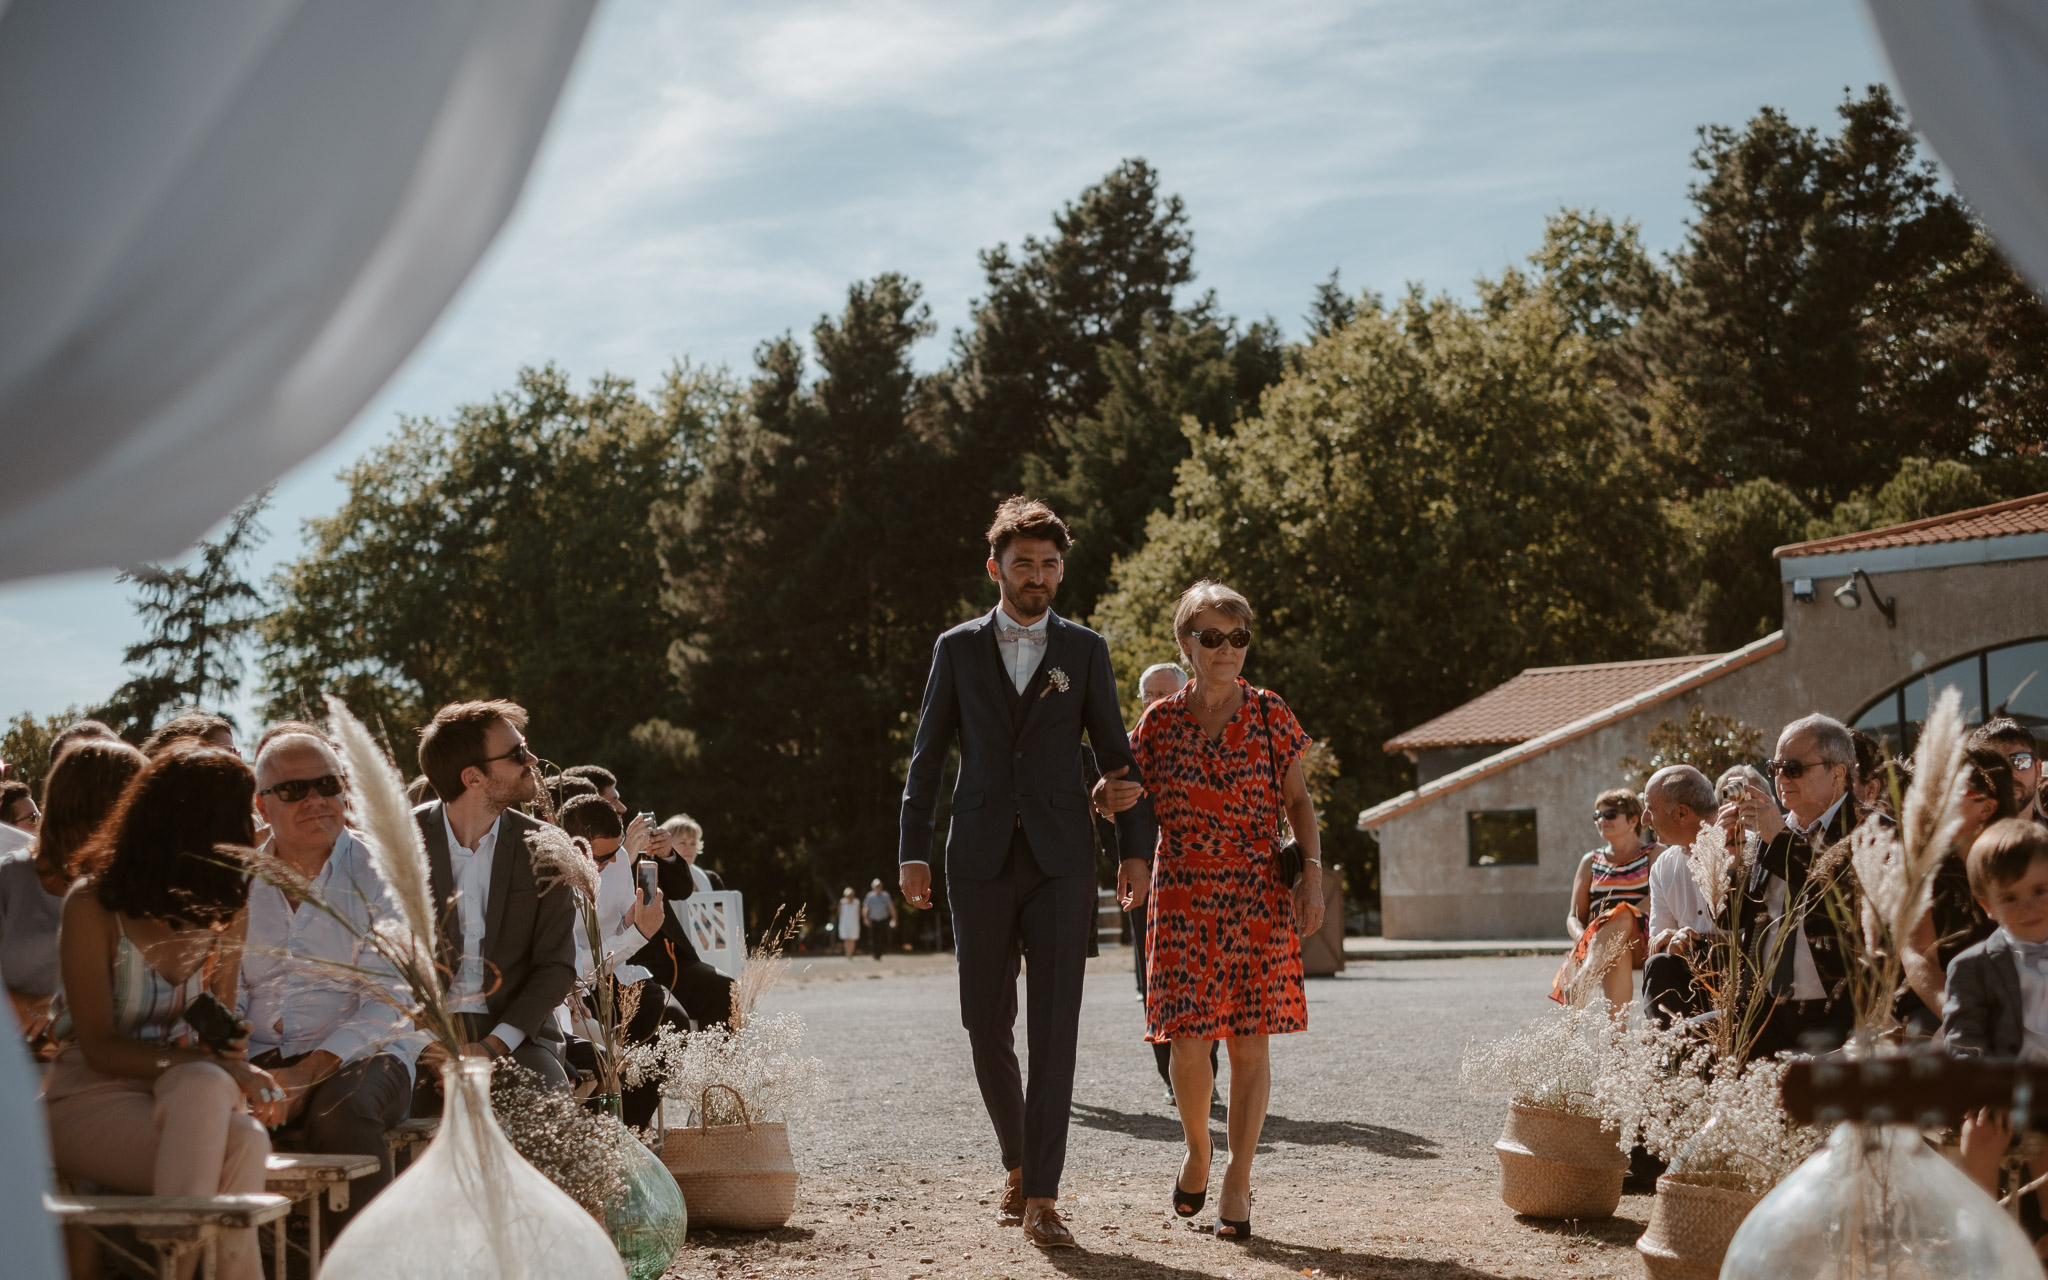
(348, 1113)
(1806, 1026)
(1046, 920)
(186, 1133)
(542, 1057)
(1669, 991)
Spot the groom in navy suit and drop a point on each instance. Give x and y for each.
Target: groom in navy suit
(1016, 688)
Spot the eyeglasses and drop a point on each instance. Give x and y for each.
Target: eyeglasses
(1606, 815)
(1792, 769)
(2021, 760)
(293, 790)
(517, 755)
(1213, 639)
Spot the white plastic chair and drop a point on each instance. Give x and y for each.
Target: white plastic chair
(717, 926)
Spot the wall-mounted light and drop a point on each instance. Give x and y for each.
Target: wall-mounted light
(1849, 597)
(1802, 590)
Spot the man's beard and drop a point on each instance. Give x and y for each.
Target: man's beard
(1020, 606)
(515, 792)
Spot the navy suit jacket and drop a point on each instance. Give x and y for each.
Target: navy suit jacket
(1017, 766)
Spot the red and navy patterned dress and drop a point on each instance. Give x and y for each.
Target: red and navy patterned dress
(1222, 958)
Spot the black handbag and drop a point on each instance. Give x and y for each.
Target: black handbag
(1289, 863)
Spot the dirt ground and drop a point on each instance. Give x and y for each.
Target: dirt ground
(1374, 1162)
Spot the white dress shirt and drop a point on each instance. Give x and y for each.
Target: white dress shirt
(472, 869)
(2033, 1005)
(1675, 898)
(1020, 659)
(1806, 983)
(616, 893)
(13, 837)
(295, 1003)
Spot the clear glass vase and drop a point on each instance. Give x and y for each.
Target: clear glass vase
(647, 1220)
(1877, 1201)
(470, 1206)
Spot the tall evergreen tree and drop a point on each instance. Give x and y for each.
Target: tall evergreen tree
(197, 616)
(807, 582)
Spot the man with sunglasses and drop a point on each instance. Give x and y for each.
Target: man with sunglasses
(1786, 929)
(342, 1051)
(510, 947)
(2013, 740)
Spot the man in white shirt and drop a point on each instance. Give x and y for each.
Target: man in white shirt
(1679, 800)
(510, 946)
(18, 816)
(342, 1048)
(1786, 931)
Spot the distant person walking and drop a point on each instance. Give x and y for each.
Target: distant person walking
(880, 910)
(849, 922)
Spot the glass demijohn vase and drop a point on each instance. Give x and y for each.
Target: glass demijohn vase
(470, 1206)
(1877, 1201)
(647, 1220)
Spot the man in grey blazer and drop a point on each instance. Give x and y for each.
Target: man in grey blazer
(509, 949)
(1016, 688)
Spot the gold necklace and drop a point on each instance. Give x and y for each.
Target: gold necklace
(1219, 706)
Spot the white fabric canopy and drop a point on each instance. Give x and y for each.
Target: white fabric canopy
(1975, 77)
(223, 224)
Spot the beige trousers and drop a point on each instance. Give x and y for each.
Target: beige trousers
(186, 1133)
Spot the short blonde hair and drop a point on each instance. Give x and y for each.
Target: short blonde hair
(1209, 594)
(683, 822)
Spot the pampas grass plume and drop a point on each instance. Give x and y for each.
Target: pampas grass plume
(376, 794)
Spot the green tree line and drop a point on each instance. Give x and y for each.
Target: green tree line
(726, 587)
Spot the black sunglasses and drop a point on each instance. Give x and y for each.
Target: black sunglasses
(1212, 638)
(1792, 769)
(518, 755)
(293, 790)
(1606, 815)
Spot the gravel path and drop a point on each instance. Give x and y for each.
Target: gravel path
(1373, 1162)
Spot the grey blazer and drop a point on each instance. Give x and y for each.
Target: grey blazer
(1983, 1011)
(529, 936)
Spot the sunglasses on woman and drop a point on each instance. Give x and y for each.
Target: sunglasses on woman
(1211, 638)
(1606, 815)
(293, 790)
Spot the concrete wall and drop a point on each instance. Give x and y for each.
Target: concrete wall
(1834, 660)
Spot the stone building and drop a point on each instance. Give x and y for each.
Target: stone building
(1486, 844)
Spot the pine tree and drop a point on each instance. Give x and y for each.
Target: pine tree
(198, 615)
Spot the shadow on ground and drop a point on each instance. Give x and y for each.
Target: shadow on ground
(1606, 1230)
(1302, 1259)
(1378, 1139)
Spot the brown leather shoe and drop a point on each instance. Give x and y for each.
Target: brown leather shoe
(1010, 1211)
(1042, 1227)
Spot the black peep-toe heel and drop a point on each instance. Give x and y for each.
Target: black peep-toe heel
(1188, 1203)
(1240, 1230)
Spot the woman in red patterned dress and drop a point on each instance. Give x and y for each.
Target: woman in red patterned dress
(1221, 763)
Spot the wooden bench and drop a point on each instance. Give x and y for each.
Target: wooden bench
(172, 1225)
(407, 1137)
(301, 1178)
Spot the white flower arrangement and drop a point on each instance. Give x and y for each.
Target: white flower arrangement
(1553, 1063)
(1056, 682)
(760, 1061)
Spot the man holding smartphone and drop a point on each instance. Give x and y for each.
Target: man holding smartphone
(630, 912)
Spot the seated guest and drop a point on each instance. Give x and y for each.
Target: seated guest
(342, 1050)
(562, 789)
(1784, 927)
(82, 788)
(1953, 922)
(602, 781)
(1870, 776)
(704, 992)
(1609, 899)
(1996, 998)
(686, 844)
(192, 726)
(494, 920)
(627, 921)
(137, 1101)
(18, 816)
(1680, 801)
(2013, 740)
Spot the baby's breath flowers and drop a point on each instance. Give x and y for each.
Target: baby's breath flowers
(576, 1148)
(1552, 1063)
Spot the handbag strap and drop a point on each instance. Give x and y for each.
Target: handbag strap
(1272, 766)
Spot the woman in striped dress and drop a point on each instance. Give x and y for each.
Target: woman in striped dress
(1609, 918)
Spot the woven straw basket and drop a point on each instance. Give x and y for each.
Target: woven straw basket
(1690, 1227)
(740, 1176)
(1557, 1165)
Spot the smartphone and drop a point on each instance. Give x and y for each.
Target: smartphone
(213, 1024)
(648, 819)
(648, 888)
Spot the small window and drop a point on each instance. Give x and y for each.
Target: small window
(1500, 837)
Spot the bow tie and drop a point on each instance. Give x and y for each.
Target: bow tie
(1022, 635)
(2033, 954)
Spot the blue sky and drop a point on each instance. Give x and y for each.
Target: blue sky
(719, 174)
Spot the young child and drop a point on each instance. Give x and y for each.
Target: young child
(1997, 1003)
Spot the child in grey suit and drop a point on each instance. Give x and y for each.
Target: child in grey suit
(1997, 996)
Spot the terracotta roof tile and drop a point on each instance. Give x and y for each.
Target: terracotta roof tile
(1999, 520)
(1541, 699)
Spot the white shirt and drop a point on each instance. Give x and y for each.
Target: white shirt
(2033, 1005)
(616, 893)
(1806, 984)
(294, 1003)
(1675, 898)
(13, 837)
(1019, 659)
(472, 868)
